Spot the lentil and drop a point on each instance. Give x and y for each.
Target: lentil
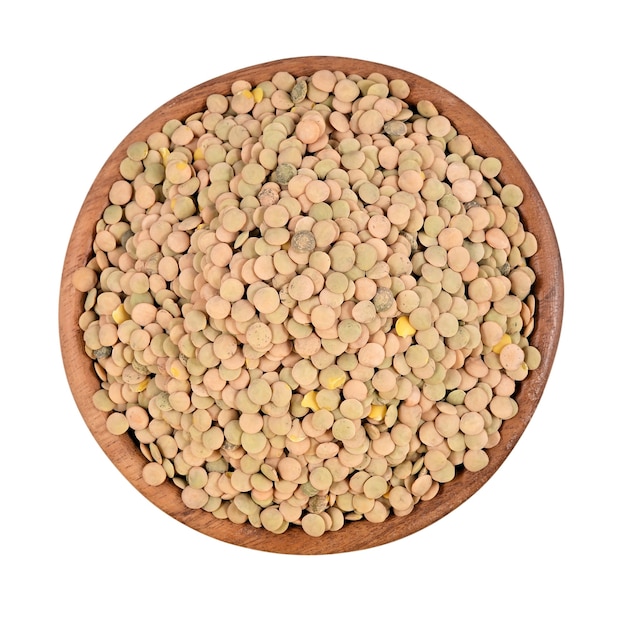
(311, 302)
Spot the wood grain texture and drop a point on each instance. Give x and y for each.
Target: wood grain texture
(357, 535)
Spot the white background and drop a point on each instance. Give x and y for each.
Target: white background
(542, 542)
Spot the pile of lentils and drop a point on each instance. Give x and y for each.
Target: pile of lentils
(309, 303)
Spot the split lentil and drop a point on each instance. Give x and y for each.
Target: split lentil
(310, 303)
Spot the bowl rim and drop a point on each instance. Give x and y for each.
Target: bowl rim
(360, 535)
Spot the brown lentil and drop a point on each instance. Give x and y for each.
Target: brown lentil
(311, 302)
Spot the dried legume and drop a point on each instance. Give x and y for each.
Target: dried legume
(310, 303)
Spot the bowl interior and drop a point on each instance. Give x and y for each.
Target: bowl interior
(124, 453)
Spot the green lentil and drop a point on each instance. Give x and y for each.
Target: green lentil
(283, 283)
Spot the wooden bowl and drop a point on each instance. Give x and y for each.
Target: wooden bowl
(124, 453)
